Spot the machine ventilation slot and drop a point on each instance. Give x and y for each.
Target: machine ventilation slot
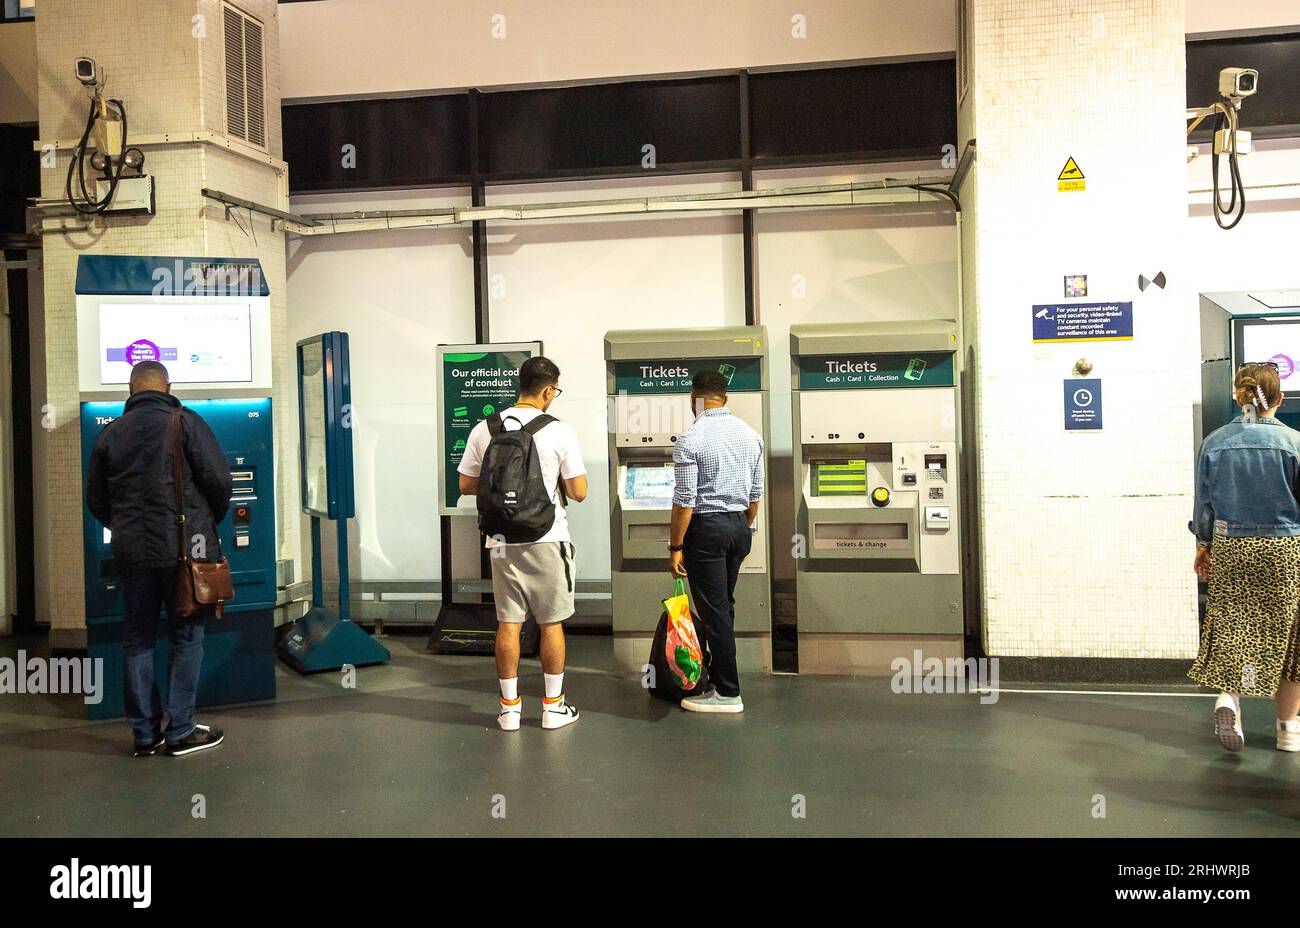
(245, 77)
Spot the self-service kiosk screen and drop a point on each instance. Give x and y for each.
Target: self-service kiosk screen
(838, 478)
(649, 486)
(1272, 340)
(200, 343)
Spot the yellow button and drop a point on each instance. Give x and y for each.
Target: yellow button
(880, 496)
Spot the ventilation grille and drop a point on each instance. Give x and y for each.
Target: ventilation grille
(245, 77)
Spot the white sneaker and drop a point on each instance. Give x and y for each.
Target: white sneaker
(1288, 735)
(510, 714)
(558, 714)
(1227, 723)
(712, 701)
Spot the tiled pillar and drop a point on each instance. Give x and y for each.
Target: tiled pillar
(1083, 542)
(166, 63)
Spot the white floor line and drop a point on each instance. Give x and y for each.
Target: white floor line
(1096, 693)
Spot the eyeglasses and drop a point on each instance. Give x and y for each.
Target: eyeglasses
(1272, 364)
(558, 391)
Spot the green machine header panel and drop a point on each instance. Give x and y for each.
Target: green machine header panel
(876, 370)
(745, 374)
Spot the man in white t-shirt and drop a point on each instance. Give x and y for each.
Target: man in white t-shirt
(533, 578)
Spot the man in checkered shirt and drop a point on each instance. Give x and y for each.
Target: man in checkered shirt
(718, 465)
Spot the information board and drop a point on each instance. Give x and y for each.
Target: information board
(311, 391)
(1082, 322)
(325, 426)
(474, 381)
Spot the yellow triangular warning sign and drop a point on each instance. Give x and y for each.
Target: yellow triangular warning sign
(1070, 171)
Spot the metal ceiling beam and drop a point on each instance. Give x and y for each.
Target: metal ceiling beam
(860, 193)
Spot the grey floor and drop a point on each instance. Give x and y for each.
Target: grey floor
(414, 750)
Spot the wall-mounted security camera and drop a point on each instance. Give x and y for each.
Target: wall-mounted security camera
(1235, 83)
(87, 71)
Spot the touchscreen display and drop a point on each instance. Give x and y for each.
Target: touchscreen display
(650, 486)
(206, 343)
(838, 478)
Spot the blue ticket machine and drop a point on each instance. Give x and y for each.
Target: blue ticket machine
(210, 338)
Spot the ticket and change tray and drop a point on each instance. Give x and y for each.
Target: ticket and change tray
(325, 639)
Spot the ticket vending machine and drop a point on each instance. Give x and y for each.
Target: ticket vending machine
(1240, 327)
(877, 544)
(648, 381)
(208, 321)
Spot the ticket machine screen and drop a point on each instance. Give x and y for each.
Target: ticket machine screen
(838, 478)
(649, 486)
(1269, 340)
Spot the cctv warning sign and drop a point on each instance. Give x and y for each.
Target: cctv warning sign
(1071, 177)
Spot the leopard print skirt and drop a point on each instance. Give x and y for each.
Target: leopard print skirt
(1249, 639)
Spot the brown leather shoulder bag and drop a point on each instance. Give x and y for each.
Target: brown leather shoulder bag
(202, 590)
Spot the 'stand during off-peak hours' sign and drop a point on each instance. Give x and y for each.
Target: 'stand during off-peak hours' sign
(1083, 322)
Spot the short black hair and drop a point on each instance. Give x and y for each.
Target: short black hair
(710, 383)
(536, 374)
(149, 372)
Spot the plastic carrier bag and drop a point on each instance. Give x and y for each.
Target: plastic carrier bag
(676, 653)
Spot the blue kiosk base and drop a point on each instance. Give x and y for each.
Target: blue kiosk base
(238, 661)
(321, 640)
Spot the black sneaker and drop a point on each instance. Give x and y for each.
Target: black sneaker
(149, 750)
(201, 739)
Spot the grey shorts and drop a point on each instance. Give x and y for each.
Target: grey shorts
(533, 581)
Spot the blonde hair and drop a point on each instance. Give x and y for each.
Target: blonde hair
(1257, 386)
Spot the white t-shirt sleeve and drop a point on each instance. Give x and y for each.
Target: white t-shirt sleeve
(471, 462)
(571, 463)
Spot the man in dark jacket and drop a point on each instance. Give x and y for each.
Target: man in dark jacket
(130, 490)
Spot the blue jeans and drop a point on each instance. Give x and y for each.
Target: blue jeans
(144, 591)
(712, 550)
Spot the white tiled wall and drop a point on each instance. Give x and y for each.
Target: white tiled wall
(1083, 537)
(166, 66)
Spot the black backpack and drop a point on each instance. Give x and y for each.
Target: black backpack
(514, 503)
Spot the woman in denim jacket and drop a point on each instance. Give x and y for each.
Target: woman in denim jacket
(1247, 525)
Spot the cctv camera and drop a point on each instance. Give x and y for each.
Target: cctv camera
(87, 72)
(1236, 83)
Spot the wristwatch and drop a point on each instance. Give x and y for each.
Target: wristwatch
(675, 548)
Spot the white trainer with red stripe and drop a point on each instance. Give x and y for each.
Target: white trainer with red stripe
(510, 714)
(558, 714)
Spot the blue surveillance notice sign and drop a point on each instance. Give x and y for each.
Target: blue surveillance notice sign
(1083, 322)
(1083, 404)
